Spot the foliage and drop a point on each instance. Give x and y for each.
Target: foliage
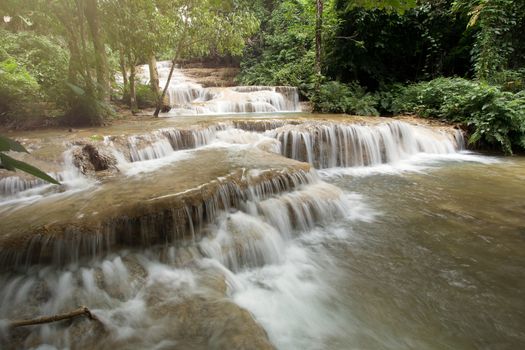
(510, 80)
(283, 54)
(376, 47)
(9, 163)
(42, 57)
(32, 77)
(146, 98)
(18, 89)
(85, 108)
(496, 118)
(335, 97)
(500, 25)
(72, 24)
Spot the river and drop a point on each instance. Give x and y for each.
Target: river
(425, 252)
(430, 257)
(280, 230)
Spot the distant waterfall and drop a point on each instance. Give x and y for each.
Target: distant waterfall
(186, 97)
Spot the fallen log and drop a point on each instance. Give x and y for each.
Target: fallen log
(81, 311)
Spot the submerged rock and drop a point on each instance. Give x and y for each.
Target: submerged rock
(202, 323)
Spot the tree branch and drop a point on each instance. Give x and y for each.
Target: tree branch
(81, 311)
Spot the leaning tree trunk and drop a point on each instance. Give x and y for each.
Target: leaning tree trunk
(122, 63)
(318, 44)
(161, 97)
(101, 61)
(132, 93)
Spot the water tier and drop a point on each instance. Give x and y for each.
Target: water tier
(187, 97)
(166, 185)
(170, 232)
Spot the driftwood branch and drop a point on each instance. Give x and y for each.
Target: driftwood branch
(81, 311)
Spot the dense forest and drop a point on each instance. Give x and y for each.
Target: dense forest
(461, 61)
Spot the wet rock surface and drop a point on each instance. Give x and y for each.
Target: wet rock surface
(161, 206)
(164, 199)
(89, 158)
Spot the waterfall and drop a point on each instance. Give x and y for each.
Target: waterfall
(186, 97)
(252, 233)
(242, 240)
(20, 188)
(191, 229)
(328, 145)
(163, 142)
(322, 144)
(171, 218)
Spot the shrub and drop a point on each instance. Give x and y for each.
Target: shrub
(44, 60)
(85, 109)
(510, 80)
(335, 97)
(495, 118)
(146, 98)
(387, 98)
(18, 89)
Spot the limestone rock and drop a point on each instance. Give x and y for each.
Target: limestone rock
(90, 159)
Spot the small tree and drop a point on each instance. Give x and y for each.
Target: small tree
(198, 27)
(138, 31)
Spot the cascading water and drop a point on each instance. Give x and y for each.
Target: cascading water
(323, 145)
(205, 236)
(127, 291)
(15, 189)
(328, 145)
(186, 97)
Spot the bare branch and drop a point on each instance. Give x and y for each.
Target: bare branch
(81, 311)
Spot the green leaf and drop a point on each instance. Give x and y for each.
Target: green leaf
(13, 164)
(6, 145)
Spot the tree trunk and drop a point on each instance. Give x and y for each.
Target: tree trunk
(154, 76)
(318, 44)
(90, 84)
(74, 59)
(132, 94)
(161, 98)
(122, 63)
(101, 61)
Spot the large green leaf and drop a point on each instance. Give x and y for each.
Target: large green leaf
(13, 164)
(6, 145)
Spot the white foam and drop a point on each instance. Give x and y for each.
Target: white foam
(291, 301)
(186, 97)
(417, 163)
(148, 166)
